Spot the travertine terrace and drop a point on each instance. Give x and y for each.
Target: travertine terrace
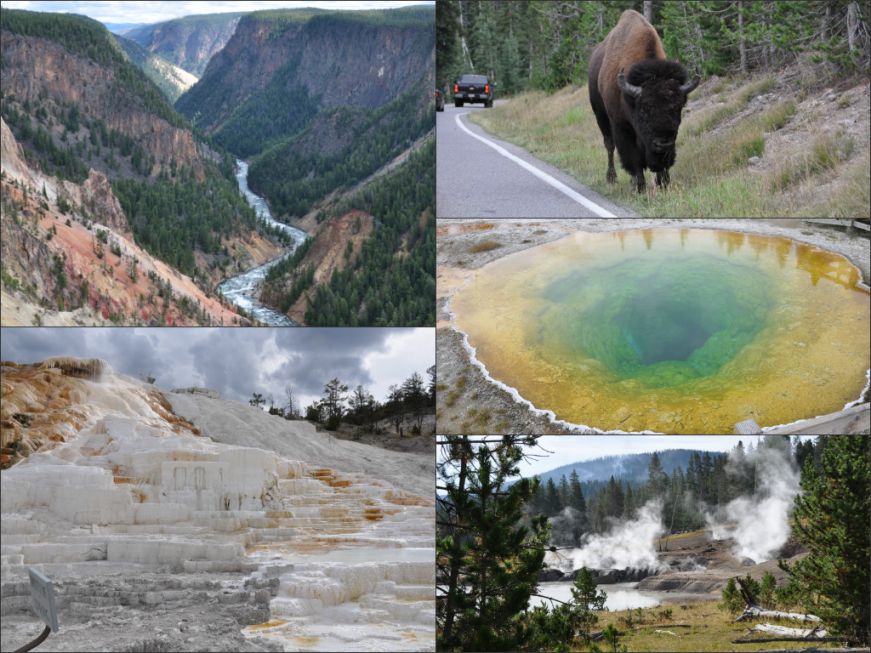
(147, 501)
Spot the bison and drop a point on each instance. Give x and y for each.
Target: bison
(637, 95)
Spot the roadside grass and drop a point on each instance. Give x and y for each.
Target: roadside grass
(827, 151)
(851, 198)
(710, 629)
(709, 117)
(710, 178)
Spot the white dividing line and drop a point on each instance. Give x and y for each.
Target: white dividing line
(546, 178)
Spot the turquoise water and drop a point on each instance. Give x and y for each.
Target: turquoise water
(659, 319)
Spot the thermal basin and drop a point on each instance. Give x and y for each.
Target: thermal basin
(671, 330)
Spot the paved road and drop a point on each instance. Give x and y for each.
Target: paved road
(479, 176)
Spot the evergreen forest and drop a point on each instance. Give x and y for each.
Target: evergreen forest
(546, 45)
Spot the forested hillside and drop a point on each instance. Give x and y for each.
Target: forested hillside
(547, 45)
(392, 281)
(320, 103)
(84, 113)
(169, 78)
(189, 42)
(282, 68)
(692, 486)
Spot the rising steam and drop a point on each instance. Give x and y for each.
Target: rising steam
(759, 524)
(628, 545)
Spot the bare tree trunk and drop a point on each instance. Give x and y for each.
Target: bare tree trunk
(827, 19)
(852, 24)
(648, 10)
(465, 46)
(742, 46)
(454, 580)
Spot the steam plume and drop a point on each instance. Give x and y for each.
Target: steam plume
(628, 545)
(759, 523)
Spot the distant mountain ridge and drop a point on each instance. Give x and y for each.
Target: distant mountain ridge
(629, 467)
(189, 42)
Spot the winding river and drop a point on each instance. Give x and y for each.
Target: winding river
(243, 289)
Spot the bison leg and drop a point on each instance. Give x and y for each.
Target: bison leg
(638, 179)
(662, 178)
(611, 176)
(631, 156)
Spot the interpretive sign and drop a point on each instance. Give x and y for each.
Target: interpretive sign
(42, 599)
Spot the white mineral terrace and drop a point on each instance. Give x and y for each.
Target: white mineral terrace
(138, 493)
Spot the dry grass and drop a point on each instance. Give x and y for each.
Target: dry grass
(710, 629)
(711, 177)
(709, 117)
(826, 152)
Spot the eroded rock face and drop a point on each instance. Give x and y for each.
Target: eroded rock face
(339, 62)
(41, 71)
(189, 43)
(97, 195)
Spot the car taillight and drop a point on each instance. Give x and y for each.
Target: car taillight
(487, 88)
(456, 88)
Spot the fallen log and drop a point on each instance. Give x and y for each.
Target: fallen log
(666, 632)
(814, 650)
(802, 633)
(755, 612)
(791, 639)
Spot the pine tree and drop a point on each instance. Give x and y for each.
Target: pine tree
(587, 600)
(552, 498)
(656, 478)
(831, 519)
(488, 562)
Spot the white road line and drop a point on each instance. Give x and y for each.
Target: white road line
(546, 178)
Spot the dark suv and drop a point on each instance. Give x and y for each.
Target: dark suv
(473, 88)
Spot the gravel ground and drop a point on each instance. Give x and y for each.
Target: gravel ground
(141, 612)
(467, 402)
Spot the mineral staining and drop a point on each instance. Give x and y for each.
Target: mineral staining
(112, 486)
(672, 330)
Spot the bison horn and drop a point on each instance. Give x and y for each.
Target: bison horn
(626, 87)
(689, 86)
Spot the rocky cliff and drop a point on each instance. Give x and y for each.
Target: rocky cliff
(45, 79)
(189, 42)
(295, 63)
(169, 78)
(69, 257)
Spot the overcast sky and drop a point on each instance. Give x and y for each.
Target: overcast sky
(155, 12)
(570, 449)
(237, 362)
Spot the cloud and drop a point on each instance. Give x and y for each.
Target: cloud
(154, 12)
(237, 362)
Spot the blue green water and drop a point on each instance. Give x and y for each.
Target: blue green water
(661, 320)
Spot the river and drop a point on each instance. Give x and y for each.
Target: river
(243, 289)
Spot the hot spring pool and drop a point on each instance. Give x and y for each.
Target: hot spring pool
(671, 330)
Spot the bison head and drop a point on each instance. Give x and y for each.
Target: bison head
(656, 91)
